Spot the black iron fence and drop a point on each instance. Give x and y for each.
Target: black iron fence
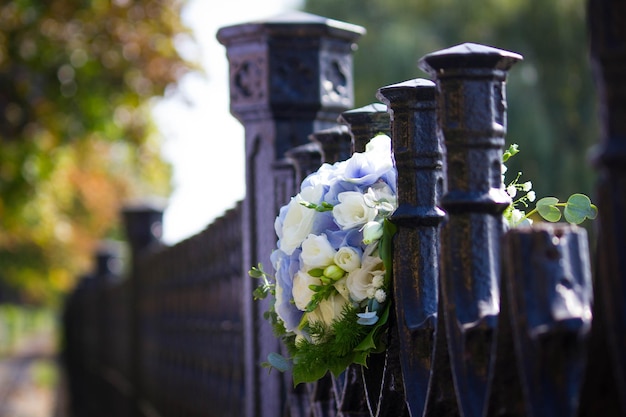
(487, 322)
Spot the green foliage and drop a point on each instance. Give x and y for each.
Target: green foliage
(267, 286)
(551, 98)
(577, 208)
(547, 208)
(319, 208)
(76, 83)
(18, 322)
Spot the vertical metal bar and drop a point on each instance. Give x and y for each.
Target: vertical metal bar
(418, 156)
(470, 80)
(143, 225)
(290, 75)
(606, 393)
(548, 280)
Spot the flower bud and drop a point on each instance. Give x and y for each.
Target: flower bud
(372, 231)
(334, 272)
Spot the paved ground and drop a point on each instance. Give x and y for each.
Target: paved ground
(31, 383)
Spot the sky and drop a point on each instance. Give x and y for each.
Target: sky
(196, 124)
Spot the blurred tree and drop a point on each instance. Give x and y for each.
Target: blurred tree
(551, 97)
(77, 79)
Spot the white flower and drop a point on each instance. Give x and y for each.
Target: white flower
(531, 196)
(317, 251)
(381, 197)
(352, 210)
(301, 292)
(361, 281)
(379, 143)
(511, 190)
(527, 186)
(378, 281)
(342, 288)
(380, 295)
(328, 310)
(516, 216)
(347, 258)
(298, 220)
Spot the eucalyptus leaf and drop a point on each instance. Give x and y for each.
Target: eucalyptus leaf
(367, 319)
(369, 343)
(546, 207)
(578, 208)
(279, 362)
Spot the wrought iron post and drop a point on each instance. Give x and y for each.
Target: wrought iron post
(364, 123)
(472, 117)
(335, 143)
(289, 76)
(143, 223)
(419, 159)
(548, 279)
(608, 58)
(107, 269)
(306, 159)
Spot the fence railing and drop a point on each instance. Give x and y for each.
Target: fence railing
(487, 322)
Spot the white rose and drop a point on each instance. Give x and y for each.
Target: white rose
(301, 292)
(347, 258)
(298, 220)
(328, 310)
(352, 210)
(361, 282)
(317, 252)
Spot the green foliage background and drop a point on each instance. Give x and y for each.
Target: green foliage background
(551, 96)
(77, 79)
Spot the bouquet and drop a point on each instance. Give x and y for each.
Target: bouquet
(330, 292)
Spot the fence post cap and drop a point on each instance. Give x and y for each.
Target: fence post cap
(370, 108)
(289, 23)
(468, 55)
(420, 88)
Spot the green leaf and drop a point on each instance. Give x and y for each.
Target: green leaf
(255, 273)
(307, 374)
(386, 249)
(316, 272)
(341, 365)
(546, 207)
(578, 208)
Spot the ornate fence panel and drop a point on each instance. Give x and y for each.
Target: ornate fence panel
(486, 322)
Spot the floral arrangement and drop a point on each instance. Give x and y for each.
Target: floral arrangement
(576, 209)
(330, 296)
(330, 293)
